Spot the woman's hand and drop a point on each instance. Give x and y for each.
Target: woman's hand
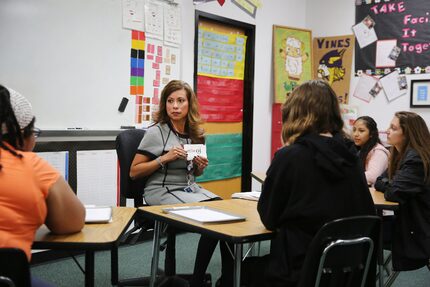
(174, 153)
(200, 163)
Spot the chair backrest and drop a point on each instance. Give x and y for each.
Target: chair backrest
(127, 143)
(343, 253)
(14, 267)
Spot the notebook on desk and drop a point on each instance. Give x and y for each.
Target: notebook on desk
(203, 214)
(249, 195)
(98, 214)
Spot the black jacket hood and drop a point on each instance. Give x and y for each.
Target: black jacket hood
(331, 154)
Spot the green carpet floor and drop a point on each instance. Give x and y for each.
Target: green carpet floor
(134, 261)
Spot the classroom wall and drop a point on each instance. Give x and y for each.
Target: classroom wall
(335, 17)
(279, 12)
(71, 59)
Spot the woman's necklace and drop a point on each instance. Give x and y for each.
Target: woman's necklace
(179, 131)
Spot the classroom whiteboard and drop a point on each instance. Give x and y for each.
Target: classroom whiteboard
(71, 59)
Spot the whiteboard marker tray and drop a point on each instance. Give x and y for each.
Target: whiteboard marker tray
(203, 214)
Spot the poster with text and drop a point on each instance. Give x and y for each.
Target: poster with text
(333, 63)
(292, 59)
(403, 22)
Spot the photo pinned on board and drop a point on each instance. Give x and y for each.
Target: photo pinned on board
(369, 22)
(375, 89)
(403, 83)
(394, 54)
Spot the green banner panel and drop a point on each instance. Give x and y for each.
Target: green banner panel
(225, 157)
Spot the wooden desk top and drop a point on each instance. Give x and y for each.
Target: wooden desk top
(380, 202)
(237, 232)
(94, 236)
(260, 176)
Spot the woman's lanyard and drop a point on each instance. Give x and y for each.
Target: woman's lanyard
(190, 167)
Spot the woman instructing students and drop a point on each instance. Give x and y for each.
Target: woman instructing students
(171, 177)
(372, 154)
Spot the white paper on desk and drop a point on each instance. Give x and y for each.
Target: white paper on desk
(390, 85)
(364, 35)
(101, 214)
(96, 179)
(364, 86)
(195, 150)
(203, 214)
(383, 51)
(59, 160)
(132, 14)
(249, 195)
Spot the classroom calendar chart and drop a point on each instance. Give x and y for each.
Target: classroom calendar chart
(220, 70)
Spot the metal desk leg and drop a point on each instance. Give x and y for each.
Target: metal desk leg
(89, 268)
(155, 253)
(114, 265)
(238, 248)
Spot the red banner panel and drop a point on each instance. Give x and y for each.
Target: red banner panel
(221, 100)
(276, 128)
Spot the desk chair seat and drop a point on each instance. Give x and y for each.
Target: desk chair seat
(14, 268)
(343, 253)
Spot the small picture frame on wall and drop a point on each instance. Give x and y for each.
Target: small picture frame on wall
(420, 93)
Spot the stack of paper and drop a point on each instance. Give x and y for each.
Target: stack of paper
(250, 195)
(101, 214)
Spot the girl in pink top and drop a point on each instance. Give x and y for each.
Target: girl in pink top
(373, 155)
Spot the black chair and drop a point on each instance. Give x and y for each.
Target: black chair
(14, 268)
(343, 253)
(127, 143)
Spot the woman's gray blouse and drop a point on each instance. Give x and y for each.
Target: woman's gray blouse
(166, 185)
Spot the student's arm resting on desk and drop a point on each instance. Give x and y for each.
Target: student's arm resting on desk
(66, 214)
(407, 181)
(377, 164)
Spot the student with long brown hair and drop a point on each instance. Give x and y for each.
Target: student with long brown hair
(315, 178)
(407, 181)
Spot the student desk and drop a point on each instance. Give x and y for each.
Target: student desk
(381, 204)
(91, 238)
(238, 233)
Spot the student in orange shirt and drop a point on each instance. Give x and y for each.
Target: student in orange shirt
(32, 192)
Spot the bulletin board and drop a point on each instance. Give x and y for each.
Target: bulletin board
(229, 132)
(71, 59)
(404, 21)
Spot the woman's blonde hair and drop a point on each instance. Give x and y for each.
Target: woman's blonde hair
(417, 137)
(311, 107)
(193, 121)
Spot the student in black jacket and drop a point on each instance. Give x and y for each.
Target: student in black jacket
(315, 178)
(407, 181)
